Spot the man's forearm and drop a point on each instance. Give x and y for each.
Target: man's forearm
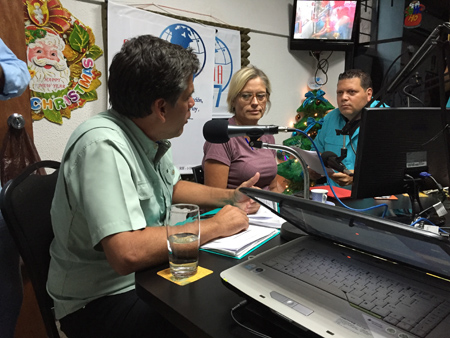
(202, 195)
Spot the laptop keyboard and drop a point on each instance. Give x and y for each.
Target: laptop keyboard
(397, 303)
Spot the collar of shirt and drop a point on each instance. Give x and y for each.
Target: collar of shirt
(153, 150)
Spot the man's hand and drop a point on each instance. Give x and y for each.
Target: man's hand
(242, 201)
(341, 178)
(228, 221)
(313, 175)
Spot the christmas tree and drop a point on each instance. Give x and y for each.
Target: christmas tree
(309, 118)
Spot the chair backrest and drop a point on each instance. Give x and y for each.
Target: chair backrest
(198, 174)
(25, 202)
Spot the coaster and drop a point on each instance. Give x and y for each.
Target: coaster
(201, 272)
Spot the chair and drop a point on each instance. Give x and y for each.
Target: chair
(25, 202)
(198, 174)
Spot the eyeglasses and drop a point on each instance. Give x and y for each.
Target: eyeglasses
(248, 97)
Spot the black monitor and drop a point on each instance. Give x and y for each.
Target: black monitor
(323, 25)
(395, 145)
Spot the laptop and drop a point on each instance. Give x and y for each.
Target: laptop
(353, 275)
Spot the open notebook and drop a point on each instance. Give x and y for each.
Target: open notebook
(354, 275)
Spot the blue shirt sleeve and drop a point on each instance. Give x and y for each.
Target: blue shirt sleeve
(15, 71)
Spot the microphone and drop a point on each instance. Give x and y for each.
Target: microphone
(219, 131)
(331, 160)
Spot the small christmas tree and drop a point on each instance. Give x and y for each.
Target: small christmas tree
(309, 119)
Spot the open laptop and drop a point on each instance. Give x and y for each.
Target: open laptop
(354, 275)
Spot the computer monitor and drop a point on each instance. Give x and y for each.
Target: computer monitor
(395, 145)
(323, 25)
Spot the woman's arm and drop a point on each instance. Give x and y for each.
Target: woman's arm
(216, 174)
(275, 185)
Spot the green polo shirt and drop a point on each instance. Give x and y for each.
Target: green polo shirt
(113, 178)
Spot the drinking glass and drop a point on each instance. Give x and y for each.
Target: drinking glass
(183, 239)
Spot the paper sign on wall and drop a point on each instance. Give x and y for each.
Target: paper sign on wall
(125, 22)
(61, 54)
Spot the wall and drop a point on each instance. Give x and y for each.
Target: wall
(269, 24)
(393, 13)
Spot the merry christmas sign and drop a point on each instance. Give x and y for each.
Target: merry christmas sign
(61, 54)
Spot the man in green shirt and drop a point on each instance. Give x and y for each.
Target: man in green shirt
(116, 183)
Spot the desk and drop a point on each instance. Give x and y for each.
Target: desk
(202, 308)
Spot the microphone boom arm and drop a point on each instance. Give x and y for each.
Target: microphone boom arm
(435, 39)
(297, 156)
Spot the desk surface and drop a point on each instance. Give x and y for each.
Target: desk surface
(202, 308)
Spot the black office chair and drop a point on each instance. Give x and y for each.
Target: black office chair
(25, 202)
(198, 174)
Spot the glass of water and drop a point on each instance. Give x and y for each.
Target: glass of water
(183, 239)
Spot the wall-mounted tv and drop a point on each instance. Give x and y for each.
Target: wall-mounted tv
(322, 25)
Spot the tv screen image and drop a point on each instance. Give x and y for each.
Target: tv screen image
(323, 25)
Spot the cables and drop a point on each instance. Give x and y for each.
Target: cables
(438, 185)
(410, 49)
(331, 187)
(240, 304)
(322, 65)
(420, 223)
(417, 83)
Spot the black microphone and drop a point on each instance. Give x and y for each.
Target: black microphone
(330, 160)
(219, 131)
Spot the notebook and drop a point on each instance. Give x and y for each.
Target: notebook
(353, 275)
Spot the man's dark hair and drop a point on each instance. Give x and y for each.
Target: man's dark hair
(146, 69)
(366, 81)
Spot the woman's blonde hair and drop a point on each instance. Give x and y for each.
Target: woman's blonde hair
(240, 79)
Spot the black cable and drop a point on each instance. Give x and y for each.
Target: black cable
(240, 304)
(447, 126)
(409, 49)
(351, 146)
(322, 65)
(438, 185)
(389, 69)
(415, 188)
(412, 96)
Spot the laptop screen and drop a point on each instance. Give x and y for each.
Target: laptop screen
(388, 239)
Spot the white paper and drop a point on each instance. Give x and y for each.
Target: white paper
(312, 160)
(265, 217)
(240, 243)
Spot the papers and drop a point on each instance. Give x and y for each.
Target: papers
(264, 225)
(241, 244)
(266, 218)
(312, 159)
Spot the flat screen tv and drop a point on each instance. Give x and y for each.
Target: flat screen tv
(323, 25)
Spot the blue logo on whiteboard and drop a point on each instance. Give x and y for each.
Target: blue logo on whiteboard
(223, 69)
(185, 36)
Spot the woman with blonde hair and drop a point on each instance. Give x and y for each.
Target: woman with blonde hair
(229, 164)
